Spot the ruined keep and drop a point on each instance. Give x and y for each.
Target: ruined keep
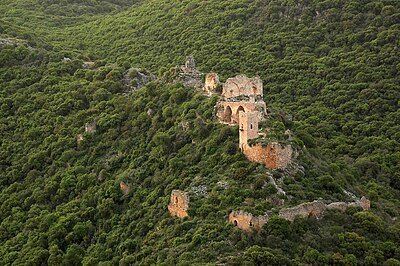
(179, 203)
(242, 103)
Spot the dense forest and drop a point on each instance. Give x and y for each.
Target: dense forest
(331, 75)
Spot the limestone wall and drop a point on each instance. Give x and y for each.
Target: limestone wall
(211, 83)
(273, 156)
(179, 204)
(228, 111)
(246, 221)
(242, 85)
(90, 127)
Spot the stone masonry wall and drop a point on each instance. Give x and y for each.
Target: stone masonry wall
(179, 204)
(273, 155)
(246, 221)
(211, 83)
(242, 85)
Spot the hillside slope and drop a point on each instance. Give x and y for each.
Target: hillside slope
(330, 72)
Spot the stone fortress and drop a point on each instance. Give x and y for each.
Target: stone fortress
(241, 103)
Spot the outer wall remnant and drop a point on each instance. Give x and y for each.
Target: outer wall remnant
(179, 204)
(273, 155)
(246, 221)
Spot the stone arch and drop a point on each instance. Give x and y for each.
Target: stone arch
(227, 114)
(240, 108)
(176, 200)
(235, 223)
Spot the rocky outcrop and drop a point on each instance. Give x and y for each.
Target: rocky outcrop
(179, 204)
(136, 78)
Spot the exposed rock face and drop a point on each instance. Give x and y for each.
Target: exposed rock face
(211, 83)
(188, 74)
(136, 78)
(124, 187)
(247, 221)
(179, 204)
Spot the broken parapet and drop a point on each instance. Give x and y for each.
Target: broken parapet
(246, 221)
(273, 156)
(179, 204)
(136, 78)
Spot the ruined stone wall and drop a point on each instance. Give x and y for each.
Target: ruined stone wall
(179, 204)
(211, 83)
(242, 85)
(228, 112)
(246, 221)
(273, 156)
(284, 154)
(304, 210)
(248, 127)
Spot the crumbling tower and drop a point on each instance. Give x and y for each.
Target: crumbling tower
(248, 128)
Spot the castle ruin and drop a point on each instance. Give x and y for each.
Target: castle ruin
(242, 103)
(179, 203)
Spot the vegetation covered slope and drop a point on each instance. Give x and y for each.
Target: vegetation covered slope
(332, 65)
